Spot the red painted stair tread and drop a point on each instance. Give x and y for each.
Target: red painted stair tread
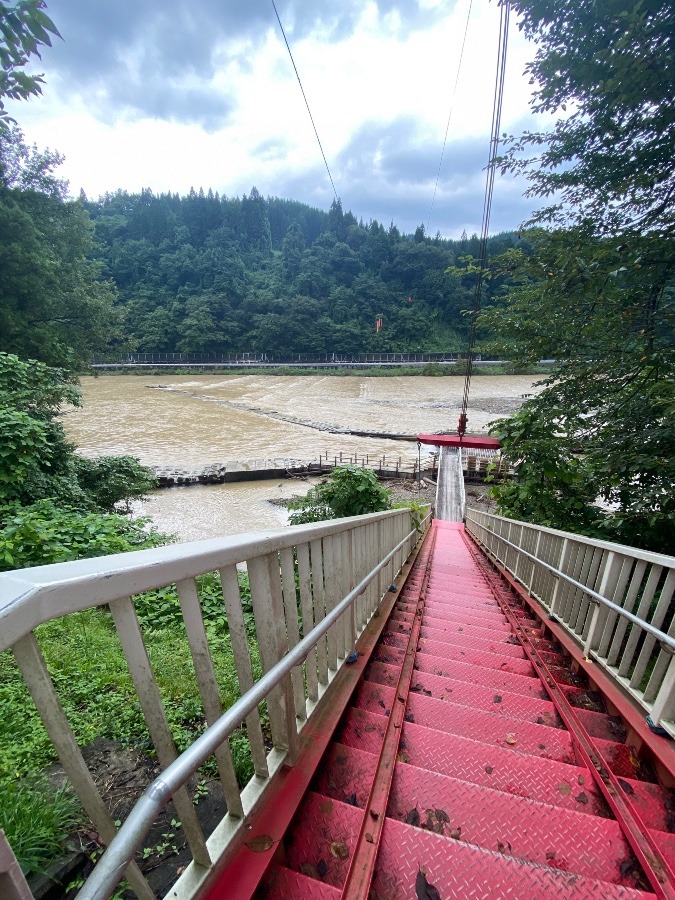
(462, 627)
(496, 644)
(502, 769)
(515, 826)
(537, 740)
(346, 774)
(505, 703)
(322, 838)
(458, 870)
(475, 657)
(285, 884)
(363, 730)
(475, 674)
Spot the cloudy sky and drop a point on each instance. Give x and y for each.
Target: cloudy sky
(174, 94)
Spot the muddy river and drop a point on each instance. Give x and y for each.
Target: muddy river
(190, 421)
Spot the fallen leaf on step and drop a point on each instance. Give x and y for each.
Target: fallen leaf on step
(261, 843)
(511, 739)
(309, 870)
(424, 890)
(412, 817)
(564, 789)
(339, 850)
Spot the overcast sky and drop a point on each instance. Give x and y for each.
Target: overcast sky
(174, 94)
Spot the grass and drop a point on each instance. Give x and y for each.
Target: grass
(89, 671)
(36, 820)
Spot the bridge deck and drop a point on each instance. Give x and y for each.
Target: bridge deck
(455, 767)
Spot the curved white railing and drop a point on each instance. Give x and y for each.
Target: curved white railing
(616, 601)
(324, 580)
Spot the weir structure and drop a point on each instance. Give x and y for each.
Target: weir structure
(477, 708)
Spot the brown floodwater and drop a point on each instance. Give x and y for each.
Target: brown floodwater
(188, 421)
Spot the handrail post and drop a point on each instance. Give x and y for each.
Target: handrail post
(664, 704)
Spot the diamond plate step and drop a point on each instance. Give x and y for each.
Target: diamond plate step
(322, 838)
(497, 644)
(475, 674)
(347, 773)
(506, 703)
(284, 884)
(507, 770)
(459, 870)
(515, 826)
(654, 804)
(468, 617)
(459, 625)
(537, 740)
(622, 760)
(665, 843)
(600, 725)
(475, 657)
(392, 656)
(362, 729)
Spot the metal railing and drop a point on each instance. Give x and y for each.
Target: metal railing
(616, 601)
(313, 590)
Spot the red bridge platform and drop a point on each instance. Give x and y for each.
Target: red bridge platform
(470, 441)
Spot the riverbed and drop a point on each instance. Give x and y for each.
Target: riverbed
(190, 421)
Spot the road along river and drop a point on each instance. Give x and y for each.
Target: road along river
(191, 421)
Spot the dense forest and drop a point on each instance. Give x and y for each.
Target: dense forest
(203, 274)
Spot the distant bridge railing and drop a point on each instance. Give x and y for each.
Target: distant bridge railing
(616, 601)
(313, 590)
(262, 359)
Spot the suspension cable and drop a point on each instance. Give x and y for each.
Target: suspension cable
(311, 117)
(487, 203)
(447, 126)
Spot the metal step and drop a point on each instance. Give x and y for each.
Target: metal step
(503, 769)
(457, 869)
(515, 826)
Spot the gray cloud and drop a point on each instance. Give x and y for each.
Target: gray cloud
(388, 171)
(125, 52)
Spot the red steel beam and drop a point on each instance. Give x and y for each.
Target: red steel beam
(362, 865)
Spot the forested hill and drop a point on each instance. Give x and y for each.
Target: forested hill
(204, 273)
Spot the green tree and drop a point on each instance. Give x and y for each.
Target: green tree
(597, 292)
(54, 305)
(36, 461)
(349, 491)
(24, 28)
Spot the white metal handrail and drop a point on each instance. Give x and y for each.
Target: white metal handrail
(614, 600)
(325, 579)
(107, 873)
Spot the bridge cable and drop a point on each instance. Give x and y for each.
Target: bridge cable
(487, 203)
(297, 75)
(447, 126)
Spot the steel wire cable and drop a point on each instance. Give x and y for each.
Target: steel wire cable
(311, 117)
(489, 190)
(447, 126)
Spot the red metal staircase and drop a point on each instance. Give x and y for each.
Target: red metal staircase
(472, 761)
